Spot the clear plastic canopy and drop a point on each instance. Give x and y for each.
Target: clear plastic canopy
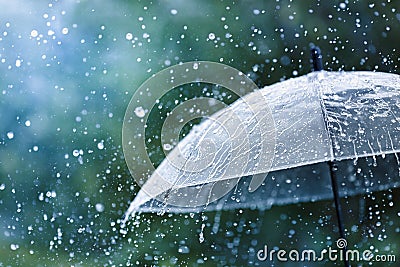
(348, 117)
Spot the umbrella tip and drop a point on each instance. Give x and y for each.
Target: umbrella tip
(316, 58)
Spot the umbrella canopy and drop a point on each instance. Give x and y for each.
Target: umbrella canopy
(351, 118)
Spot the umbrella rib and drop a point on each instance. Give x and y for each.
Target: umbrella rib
(332, 168)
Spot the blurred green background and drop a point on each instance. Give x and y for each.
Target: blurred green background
(68, 70)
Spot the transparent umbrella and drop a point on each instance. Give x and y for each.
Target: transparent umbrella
(335, 134)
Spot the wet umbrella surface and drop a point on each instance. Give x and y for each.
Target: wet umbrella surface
(350, 118)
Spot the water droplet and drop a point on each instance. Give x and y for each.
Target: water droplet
(100, 145)
(75, 153)
(174, 11)
(129, 36)
(65, 31)
(10, 135)
(167, 147)
(201, 236)
(99, 207)
(184, 249)
(211, 36)
(34, 33)
(140, 112)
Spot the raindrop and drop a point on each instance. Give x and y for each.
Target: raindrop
(140, 112)
(10, 135)
(27, 123)
(342, 5)
(211, 36)
(64, 31)
(75, 153)
(129, 36)
(34, 33)
(51, 194)
(167, 147)
(174, 11)
(184, 249)
(99, 207)
(100, 145)
(201, 235)
(256, 12)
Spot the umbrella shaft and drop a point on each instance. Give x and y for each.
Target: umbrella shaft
(335, 189)
(316, 57)
(338, 207)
